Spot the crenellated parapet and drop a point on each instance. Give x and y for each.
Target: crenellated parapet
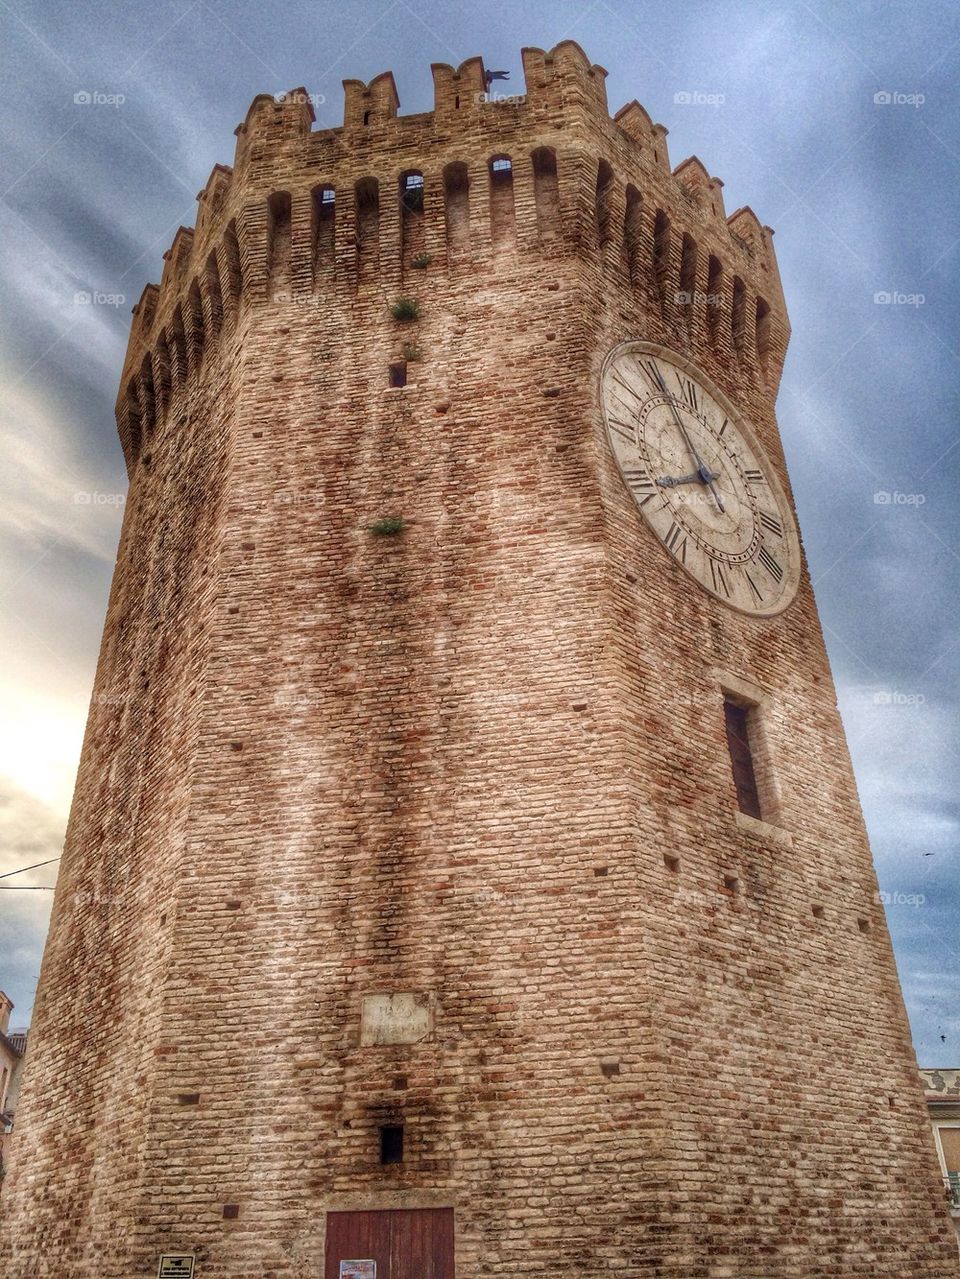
(497, 175)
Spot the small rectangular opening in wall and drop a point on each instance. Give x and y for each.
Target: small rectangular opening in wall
(818, 912)
(731, 883)
(398, 373)
(737, 720)
(391, 1144)
(863, 925)
(671, 863)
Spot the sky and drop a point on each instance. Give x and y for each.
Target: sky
(836, 122)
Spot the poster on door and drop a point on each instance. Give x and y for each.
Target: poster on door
(358, 1270)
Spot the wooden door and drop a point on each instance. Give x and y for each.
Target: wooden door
(390, 1243)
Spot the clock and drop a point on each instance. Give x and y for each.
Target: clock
(700, 478)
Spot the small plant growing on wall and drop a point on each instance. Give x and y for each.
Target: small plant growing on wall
(410, 352)
(405, 309)
(421, 261)
(389, 526)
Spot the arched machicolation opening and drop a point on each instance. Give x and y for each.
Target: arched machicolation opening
(502, 213)
(633, 234)
(546, 192)
(148, 404)
(412, 231)
(367, 195)
(686, 295)
(214, 297)
(714, 297)
(195, 325)
(233, 266)
(160, 371)
(738, 315)
(134, 423)
(661, 253)
(323, 208)
(603, 204)
(764, 338)
(279, 240)
(456, 192)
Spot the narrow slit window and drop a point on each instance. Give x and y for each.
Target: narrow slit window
(411, 191)
(661, 252)
(688, 275)
(391, 1144)
(502, 214)
(763, 336)
(398, 373)
(714, 296)
(738, 314)
(741, 757)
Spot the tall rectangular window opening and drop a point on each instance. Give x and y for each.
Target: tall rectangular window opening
(391, 1144)
(737, 720)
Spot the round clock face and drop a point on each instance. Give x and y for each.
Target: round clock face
(700, 478)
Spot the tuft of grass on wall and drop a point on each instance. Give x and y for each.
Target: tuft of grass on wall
(405, 309)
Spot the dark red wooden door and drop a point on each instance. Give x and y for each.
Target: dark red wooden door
(402, 1243)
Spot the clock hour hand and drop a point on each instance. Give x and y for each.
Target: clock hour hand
(702, 475)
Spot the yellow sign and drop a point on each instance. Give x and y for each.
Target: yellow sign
(175, 1265)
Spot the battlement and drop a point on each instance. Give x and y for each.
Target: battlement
(490, 179)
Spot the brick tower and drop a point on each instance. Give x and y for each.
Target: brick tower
(465, 858)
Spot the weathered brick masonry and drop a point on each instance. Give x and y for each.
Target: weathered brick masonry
(322, 764)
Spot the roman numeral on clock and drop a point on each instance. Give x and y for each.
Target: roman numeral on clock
(753, 477)
(757, 594)
(723, 428)
(771, 524)
(688, 390)
(676, 542)
(650, 368)
(720, 584)
(622, 381)
(623, 429)
(640, 482)
(770, 564)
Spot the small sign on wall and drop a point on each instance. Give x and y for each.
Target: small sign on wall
(175, 1265)
(358, 1270)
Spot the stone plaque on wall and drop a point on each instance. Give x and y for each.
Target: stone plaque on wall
(395, 1019)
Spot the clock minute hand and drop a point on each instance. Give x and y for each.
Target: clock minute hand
(671, 481)
(704, 474)
(679, 421)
